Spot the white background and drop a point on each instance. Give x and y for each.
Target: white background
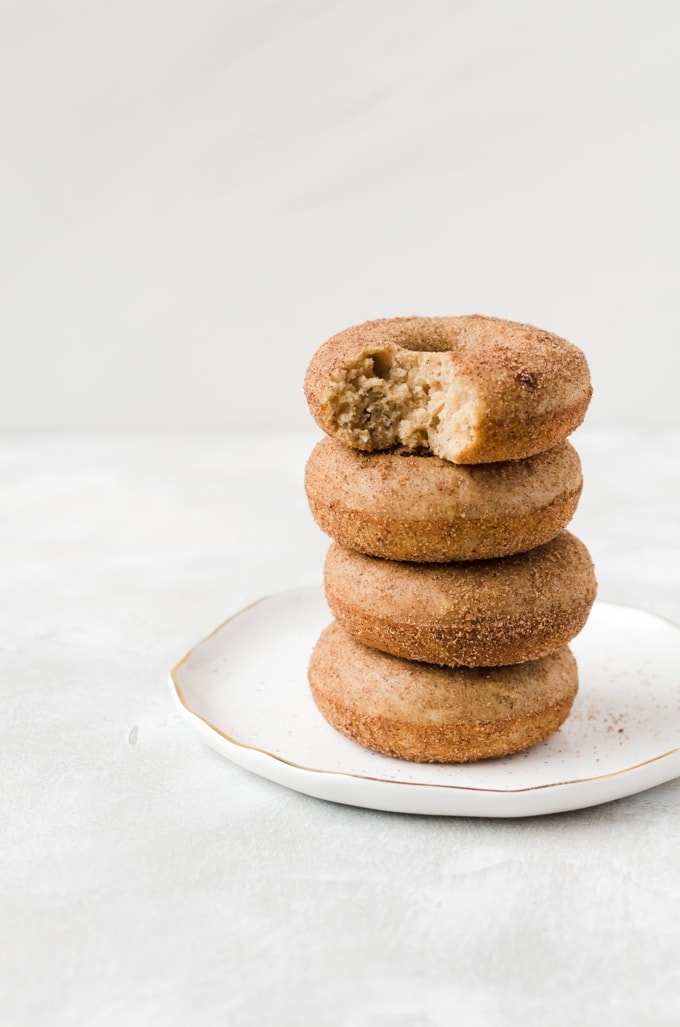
(196, 194)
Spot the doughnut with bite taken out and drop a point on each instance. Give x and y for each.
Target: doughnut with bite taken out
(468, 389)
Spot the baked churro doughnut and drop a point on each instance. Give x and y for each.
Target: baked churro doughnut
(402, 506)
(415, 711)
(479, 614)
(468, 389)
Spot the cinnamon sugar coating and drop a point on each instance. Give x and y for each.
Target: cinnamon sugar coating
(402, 506)
(468, 389)
(482, 613)
(415, 711)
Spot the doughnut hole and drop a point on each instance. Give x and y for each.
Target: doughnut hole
(414, 399)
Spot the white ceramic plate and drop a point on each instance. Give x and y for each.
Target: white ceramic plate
(244, 689)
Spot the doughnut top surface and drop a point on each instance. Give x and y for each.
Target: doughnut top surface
(469, 389)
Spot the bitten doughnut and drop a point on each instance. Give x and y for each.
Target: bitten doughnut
(402, 506)
(415, 711)
(468, 389)
(479, 614)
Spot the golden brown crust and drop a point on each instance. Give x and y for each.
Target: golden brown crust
(402, 506)
(418, 712)
(523, 389)
(482, 613)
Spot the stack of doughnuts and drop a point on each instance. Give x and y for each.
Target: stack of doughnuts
(446, 483)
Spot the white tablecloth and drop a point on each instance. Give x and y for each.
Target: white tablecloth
(146, 880)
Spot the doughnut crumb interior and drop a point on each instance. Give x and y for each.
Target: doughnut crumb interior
(414, 400)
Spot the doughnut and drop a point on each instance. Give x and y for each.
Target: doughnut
(485, 613)
(415, 711)
(468, 389)
(403, 506)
